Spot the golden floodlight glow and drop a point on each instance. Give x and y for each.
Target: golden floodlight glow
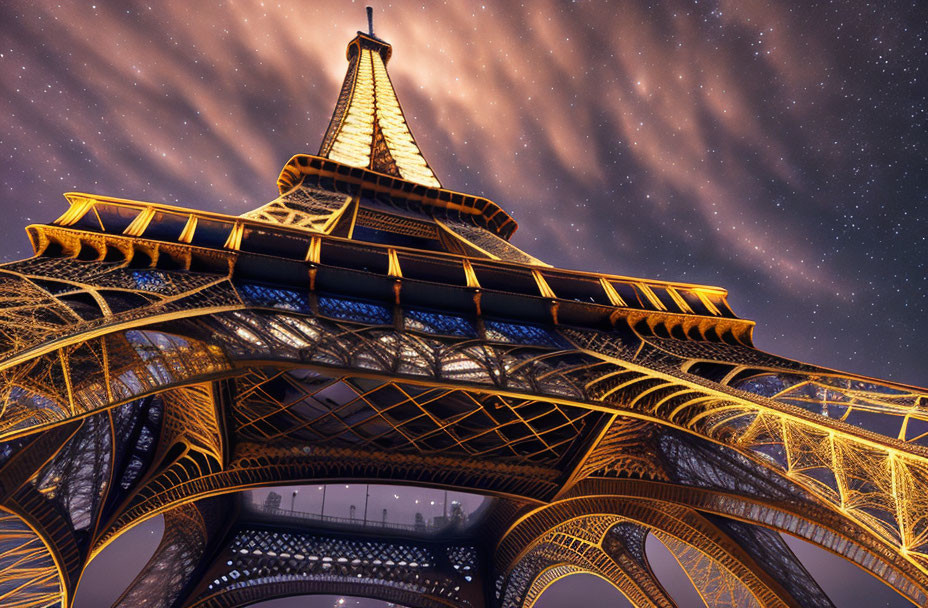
(368, 129)
(369, 326)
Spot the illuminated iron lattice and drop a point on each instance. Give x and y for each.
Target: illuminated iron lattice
(371, 325)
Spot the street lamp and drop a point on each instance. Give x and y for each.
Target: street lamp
(367, 497)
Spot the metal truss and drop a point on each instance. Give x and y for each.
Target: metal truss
(28, 574)
(370, 325)
(723, 570)
(233, 399)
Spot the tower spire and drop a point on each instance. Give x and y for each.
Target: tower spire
(368, 128)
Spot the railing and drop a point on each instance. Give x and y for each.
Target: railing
(424, 528)
(218, 231)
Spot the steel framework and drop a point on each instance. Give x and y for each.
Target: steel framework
(370, 325)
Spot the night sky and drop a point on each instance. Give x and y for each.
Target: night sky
(778, 151)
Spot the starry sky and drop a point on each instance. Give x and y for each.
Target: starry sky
(777, 149)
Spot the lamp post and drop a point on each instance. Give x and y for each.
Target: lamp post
(293, 500)
(322, 511)
(367, 495)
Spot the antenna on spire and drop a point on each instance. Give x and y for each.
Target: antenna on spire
(370, 20)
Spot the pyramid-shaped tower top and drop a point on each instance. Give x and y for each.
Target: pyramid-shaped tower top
(368, 129)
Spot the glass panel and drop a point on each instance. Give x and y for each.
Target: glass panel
(665, 299)
(694, 302)
(166, 226)
(211, 233)
(116, 218)
(577, 288)
(432, 270)
(629, 295)
(357, 257)
(512, 280)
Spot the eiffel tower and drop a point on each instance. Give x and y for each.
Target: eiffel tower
(371, 325)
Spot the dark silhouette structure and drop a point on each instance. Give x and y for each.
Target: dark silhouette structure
(371, 325)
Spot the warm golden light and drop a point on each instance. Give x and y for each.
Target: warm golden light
(368, 129)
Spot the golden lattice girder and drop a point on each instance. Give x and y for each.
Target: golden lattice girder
(29, 578)
(368, 128)
(721, 570)
(369, 324)
(692, 406)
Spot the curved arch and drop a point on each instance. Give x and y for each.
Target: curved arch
(264, 464)
(101, 581)
(716, 585)
(811, 523)
(600, 544)
(675, 521)
(669, 399)
(597, 391)
(558, 557)
(844, 581)
(574, 377)
(188, 530)
(823, 529)
(556, 573)
(267, 466)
